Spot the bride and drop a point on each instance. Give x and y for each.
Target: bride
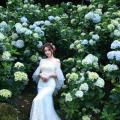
(49, 78)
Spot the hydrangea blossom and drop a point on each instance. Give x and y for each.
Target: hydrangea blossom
(5, 93)
(115, 44)
(51, 18)
(37, 23)
(19, 43)
(18, 65)
(2, 37)
(96, 18)
(47, 23)
(23, 19)
(73, 76)
(92, 42)
(110, 67)
(84, 42)
(84, 87)
(90, 60)
(85, 117)
(114, 55)
(40, 44)
(68, 97)
(20, 76)
(79, 94)
(111, 55)
(117, 33)
(3, 26)
(95, 37)
(100, 82)
(57, 18)
(92, 75)
(28, 32)
(6, 55)
(39, 31)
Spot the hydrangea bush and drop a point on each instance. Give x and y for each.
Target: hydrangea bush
(87, 39)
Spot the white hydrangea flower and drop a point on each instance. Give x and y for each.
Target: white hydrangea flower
(117, 33)
(114, 55)
(19, 44)
(84, 42)
(57, 18)
(39, 31)
(92, 75)
(92, 42)
(28, 32)
(40, 44)
(47, 6)
(96, 18)
(2, 37)
(115, 22)
(98, 11)
(47, 23)
(72, 46)
(83, 34)
(89, 15)
(73, 76)
(90, 60)
(111, 27)
(110, 67)
(68, 97)
(6, 55)
(3, 25)
(117, 56)
(100, 82)
(97, 27)
(111, 55)
(51, 18)
(115, 44)
(23, 19)
(20, 76)
(5, 93)
(13, 43)
(85, 117)
(21, 30)
(35, 35)
(18, 25)
(24, 24)
(84, 87)
(25, 1)
(79, 94)
(18, 65)
(95, 37)
(39, 23)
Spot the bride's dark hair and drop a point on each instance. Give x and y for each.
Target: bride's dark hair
(50, 46)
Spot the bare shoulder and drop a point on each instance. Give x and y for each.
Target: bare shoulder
(57, 60)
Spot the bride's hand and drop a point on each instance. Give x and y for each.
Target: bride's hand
(44, 77)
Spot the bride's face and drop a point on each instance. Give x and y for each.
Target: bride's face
(48, 52)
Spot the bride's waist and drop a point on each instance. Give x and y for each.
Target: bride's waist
(51, 81)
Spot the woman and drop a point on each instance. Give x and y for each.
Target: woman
(50, 79)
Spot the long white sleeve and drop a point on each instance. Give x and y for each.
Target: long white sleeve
(36, 74)
(60, 77)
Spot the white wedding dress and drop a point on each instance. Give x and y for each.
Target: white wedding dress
(42, 106)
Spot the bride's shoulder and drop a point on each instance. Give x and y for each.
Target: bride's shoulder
(57, 60)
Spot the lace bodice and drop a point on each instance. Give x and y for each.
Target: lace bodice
(48, 67)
